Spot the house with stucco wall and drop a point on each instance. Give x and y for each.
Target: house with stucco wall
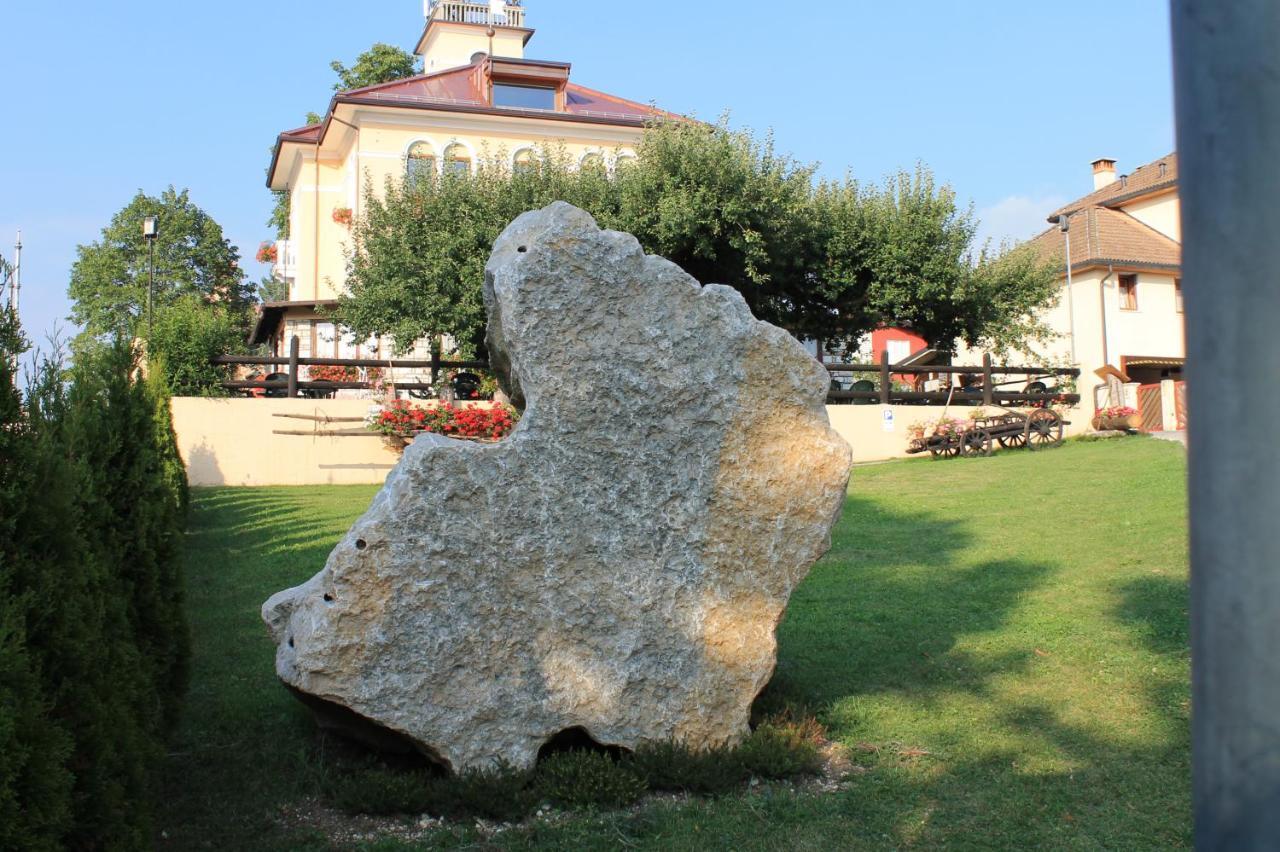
(1120, 248)
(479, 96)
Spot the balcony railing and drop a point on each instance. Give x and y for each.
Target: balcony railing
(450, 11)
(286, 266)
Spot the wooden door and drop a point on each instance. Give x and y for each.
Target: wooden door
(1151, 408)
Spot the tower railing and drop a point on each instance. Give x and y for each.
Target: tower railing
(452, 11)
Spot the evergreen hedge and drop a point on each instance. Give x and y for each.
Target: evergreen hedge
(93, 641)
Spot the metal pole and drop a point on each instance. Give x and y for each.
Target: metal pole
(17, 273)
(151, 285)
(1071, 294)
(1227, 85)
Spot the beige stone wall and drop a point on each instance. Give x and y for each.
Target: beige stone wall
(231, 441)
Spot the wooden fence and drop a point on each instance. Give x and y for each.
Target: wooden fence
(976, 385)
(293, 384)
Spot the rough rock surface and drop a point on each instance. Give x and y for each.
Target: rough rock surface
(619, 564)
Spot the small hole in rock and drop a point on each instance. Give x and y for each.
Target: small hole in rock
(361, 544)
(522, 249)
(290, 641)
(577, 739)
(328, 598)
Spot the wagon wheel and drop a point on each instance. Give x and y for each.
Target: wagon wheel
(976, 442)
(1044, 429)
(1013, 440)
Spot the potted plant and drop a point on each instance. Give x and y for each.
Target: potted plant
(1120, 418)
(343, 216)
(267, 253)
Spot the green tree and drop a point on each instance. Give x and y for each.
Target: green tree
(110, 277)
(381, 63)
(35, 746)
(831, 260)
(901, 254)
(186, 335)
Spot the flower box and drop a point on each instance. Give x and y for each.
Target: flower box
(1117, 418)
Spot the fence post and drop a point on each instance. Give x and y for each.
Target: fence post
(293, 366)
(884, 377)
(987, 388)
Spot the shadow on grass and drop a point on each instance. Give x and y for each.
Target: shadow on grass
(898, 624)
(889, 629)
(245, 747)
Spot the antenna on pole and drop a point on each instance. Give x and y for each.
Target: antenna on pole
(16, 278)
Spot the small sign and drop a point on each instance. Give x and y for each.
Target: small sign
(887, 415)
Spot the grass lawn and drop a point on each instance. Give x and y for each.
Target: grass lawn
(1001, 643)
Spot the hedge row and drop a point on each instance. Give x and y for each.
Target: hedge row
(93, 641)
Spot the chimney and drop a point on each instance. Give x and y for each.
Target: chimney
(1104, 173)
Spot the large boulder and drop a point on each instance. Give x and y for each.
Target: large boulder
(617, 566)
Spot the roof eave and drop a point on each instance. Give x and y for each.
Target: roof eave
(618, 121)
(1118, 263)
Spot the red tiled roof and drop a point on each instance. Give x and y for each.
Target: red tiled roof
(1101, 236)
(310, 133)
(1155, 176)
(462, 88)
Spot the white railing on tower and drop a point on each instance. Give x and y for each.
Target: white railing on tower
(500, 13)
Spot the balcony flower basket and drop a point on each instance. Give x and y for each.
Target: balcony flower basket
(267, 253)
(343, 216)
(1117, 418)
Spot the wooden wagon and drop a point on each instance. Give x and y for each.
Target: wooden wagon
(1037, 430)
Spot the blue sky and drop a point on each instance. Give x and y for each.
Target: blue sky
(1006, 100)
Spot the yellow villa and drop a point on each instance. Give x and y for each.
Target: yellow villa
(479, 96)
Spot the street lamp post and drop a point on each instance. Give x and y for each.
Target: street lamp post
(1063, 221)
(150, 231)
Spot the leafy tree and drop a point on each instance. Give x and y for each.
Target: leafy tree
(900, 254)
(272, 289)
(186, 335)
(726, 207)
(831, 260)
(192, 257)
(421, 249)
(381, 63)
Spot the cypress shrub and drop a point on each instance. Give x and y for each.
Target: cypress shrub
(93, 642)
(35, 782)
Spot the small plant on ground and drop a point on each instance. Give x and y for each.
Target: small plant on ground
(580, 779)
(676, 767)
(782, 748)
(382, 792)
(502, 793)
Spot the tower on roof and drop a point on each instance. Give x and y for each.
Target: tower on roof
(456, 31)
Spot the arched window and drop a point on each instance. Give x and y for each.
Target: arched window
(623, 161)
(593, 162)
(457, 159)
(524, 161)
(420, 162)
